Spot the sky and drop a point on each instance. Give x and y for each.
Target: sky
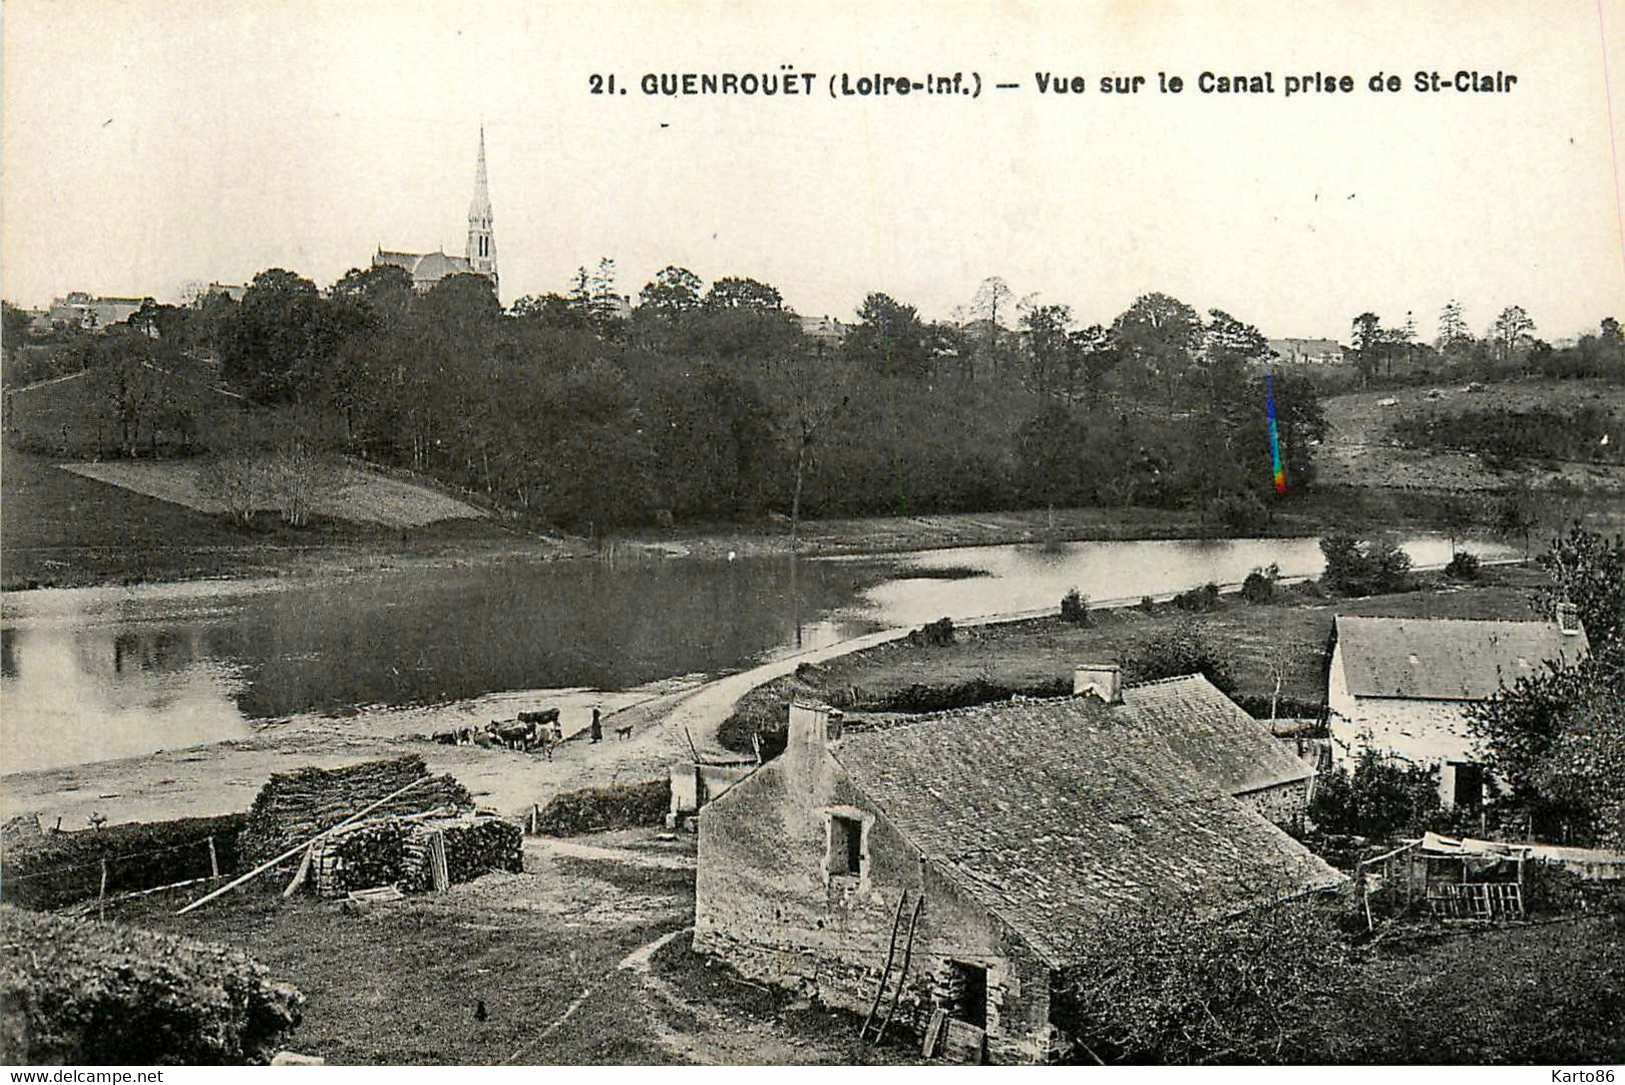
(148, 144)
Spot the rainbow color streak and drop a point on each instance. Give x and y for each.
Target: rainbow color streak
(1275, 437)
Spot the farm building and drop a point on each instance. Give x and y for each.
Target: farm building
(976, 850)
(1402, 684)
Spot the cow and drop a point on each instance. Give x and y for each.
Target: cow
(515, 736)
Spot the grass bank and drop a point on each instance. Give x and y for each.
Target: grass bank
(1275, 652)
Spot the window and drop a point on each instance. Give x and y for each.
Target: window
(845, 845)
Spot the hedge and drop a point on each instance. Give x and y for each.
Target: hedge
(97, 994)
(63, 868)
(618, 807)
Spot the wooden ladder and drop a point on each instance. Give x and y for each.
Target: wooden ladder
(874, 1027)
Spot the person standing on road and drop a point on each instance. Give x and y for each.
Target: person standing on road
(597, 726)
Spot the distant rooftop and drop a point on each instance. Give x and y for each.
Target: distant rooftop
(1449, 659)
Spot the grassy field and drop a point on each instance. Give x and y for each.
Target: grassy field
(586, 961)
(1283, 640)
(353, 495)
(570, 960)
(61, 529)
(1359, 452)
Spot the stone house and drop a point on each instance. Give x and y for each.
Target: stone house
(1401, 685)
(1017, 829)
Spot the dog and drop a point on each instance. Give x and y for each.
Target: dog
(624, 732)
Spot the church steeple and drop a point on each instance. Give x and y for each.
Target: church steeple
(482, 242)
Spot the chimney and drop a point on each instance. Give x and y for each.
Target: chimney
(1568, 619)
(1103, 680)
(812, 727)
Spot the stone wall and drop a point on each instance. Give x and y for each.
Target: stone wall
(1286, 805)
(767, 903)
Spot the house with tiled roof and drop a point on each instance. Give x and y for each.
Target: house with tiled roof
(974, 852)
(1402, 685)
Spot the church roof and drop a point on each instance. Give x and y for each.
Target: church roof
(434, 266)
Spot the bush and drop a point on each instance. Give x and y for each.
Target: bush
(1075, 608)
(1174, 990)
(58, 869)
(1463, 566)
(621, 806)
(1147, 604)
(1242, 513)
(1173, 653)
(1380, 798)
(1364, 567)
(937, 634)
(1259, 587)
(102, 994)
(1198, 599)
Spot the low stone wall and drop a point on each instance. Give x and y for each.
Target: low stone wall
(848, 982)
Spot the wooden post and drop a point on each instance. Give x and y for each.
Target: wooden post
(101, 894)
(214, 859)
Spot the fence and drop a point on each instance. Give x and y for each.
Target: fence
(68, 868)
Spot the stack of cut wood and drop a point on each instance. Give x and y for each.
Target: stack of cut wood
(473, 846)
(295, 806)
(360, 856)
(401, 851)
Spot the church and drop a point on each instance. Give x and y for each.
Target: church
(480, 252)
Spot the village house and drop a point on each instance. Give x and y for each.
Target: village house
(1401, 685)
(976, 850)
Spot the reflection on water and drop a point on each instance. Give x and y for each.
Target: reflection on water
(92, 674)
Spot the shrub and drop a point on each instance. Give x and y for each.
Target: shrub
(1243, 513)
(1172, 989)
(57, 869)
(1147, 604)
(1075, 607)
(1198, 599)
(1175, 652)
(1379, 798)
(1363, 567)
(620, 806)
(937, 634)
(1463, 566)
(1259, 587)
(102, 994)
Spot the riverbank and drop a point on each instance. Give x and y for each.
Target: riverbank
(1270, 655)
(63, 530)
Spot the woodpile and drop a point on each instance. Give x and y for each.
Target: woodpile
(418, 854)
(295, 806)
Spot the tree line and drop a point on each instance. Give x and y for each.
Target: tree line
(710, 402)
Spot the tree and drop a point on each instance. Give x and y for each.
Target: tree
(1159, 335)
(1512, 330)
(1458, 515)
(1380, 797)
(890, 338)
(733, 292)
(1559, 739)
(1231, 346)
(384, 293)
(1366, 336)
(1452, 327)
(1589, 571)
(1047, 344)
(1179, 651)
(1363, 567)
(989, 309)
(673, 292)
(1092, 353)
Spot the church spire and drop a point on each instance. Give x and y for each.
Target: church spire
(482, 242)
